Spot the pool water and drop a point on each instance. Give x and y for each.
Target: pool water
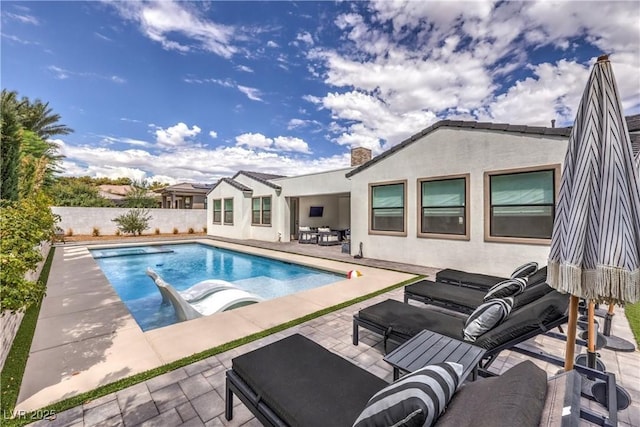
(184, 265)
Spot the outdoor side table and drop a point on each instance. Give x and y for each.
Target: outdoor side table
(428, 348)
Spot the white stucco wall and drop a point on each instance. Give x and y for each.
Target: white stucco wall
(444, 152)
(331, 182)
(242, 227)
(83, 220)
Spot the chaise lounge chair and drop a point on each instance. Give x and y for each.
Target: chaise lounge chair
(465, 300)
(397, 322)
(481, 281)
(202, 299)
(297, 382)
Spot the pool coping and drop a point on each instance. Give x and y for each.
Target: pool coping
(86, 338)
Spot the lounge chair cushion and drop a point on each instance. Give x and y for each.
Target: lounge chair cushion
(417, 399)
(324, 230)
(506, 288)
(446, 293)
(515, 398)
(304, 229)
(406, 319)
(458, 277)
(525, 270)
(487, 316)
(297, 379)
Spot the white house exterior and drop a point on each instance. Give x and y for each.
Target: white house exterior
(459, 194)
(462, 158)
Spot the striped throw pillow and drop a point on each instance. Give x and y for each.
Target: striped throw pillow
(486, 316)
(525, 270)
(417, 399)
(506, 288)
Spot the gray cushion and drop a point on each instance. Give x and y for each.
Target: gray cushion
(525, 270)
(486, 316)
(515, 398)
(417, 399)
(506, 288)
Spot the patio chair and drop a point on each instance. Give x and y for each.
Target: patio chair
(397, 322)
(328, 237)
(465, 300)
(482, 281)
(297, 382)
(307, 235)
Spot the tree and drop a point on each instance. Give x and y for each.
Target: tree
(39, 118)
(9, 147)
(140, 197)
(23, 225)
(134, 221)
(76, 192)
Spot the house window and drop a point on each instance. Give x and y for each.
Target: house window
(228, 211)
(521, 204)
(387, 208)
(261, 211)
(217, 211)
(444, 207)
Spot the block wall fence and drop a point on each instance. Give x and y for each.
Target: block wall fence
(81, 221)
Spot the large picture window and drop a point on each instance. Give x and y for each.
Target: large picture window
(228, 211)
(521, 203)
(217, 211)
(388, 208)
(261, 211)
(443, 207)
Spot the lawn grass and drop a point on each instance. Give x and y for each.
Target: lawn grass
(13, 369)
(23, 342)
(632, 312)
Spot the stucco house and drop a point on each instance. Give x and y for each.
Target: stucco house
(185, 195)
(458, 194)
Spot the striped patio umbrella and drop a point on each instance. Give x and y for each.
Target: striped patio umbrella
(595, 246)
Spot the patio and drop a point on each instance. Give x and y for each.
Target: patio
(194, 394)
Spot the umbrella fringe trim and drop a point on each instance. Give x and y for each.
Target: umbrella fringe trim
(609, 284)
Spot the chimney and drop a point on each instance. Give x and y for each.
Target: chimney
(360, 155)
(553, 123)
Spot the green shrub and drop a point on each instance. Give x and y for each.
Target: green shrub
(23, 226)
(190, 231)
(134, 221)
(204, 229)
(157, 231)
(95, 232)
(70, 232)
(175, 230)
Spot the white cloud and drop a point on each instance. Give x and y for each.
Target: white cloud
(167, 21)
(272, 44)
(252, 93)
(305, 37)
(61, 74)
(288, 143)
(244, 68)
(278, 144)
(23, 18)
(254, 140)
(127, 141)
(176, 136)
(457, 59)
(213, 134)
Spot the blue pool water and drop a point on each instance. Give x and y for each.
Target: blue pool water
(183, 265)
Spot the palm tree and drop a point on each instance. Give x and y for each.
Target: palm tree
(38, 117)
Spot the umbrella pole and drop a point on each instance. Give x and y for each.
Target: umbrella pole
(571, 333)
(591, 349)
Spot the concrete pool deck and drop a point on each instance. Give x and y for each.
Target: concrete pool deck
(85, 336)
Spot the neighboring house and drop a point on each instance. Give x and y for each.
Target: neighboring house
(185, 196)
(115, 193)
(459, 194)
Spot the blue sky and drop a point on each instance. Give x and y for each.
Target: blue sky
(195, 91)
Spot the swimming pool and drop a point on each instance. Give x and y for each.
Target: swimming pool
(183, 265)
